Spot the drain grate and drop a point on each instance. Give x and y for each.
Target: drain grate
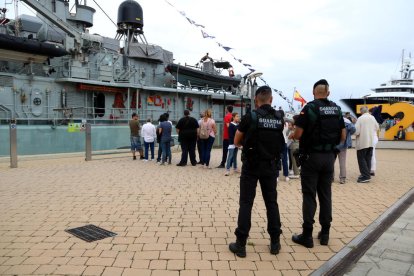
(90, 233)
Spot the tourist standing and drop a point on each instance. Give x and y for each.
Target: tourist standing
(135, 139)
(148, 132)
(262, 144)
(285, 159)
(165, 129)
(232, 154)
(187, 135)
(366, 127)
(207, 134)
(199, 141)
(350, 129)
(320, 128)
(226, 123)
(293, 148)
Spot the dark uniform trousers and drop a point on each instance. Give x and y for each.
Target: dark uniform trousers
(316, 178)
(264, 172)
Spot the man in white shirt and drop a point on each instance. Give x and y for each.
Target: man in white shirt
(366, 126)
(149, 134)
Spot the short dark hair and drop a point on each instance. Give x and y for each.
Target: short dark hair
(186, 112)
(263, 89)
(133, 115)
(230, 108)
(321, 82)
(162, 118)
(263, 94)
(167, 115)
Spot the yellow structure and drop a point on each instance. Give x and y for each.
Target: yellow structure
(392, 110)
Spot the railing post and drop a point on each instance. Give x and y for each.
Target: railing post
(88, 142)
(13, 144)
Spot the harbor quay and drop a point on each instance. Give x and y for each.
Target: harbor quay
(172, 220)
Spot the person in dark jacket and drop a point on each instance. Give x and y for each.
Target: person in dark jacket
(187, 135)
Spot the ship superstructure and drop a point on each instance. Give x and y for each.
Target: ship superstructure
(53, 71)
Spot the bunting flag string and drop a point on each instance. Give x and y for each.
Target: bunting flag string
(228, 50)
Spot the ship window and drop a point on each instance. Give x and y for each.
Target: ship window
(99, 104)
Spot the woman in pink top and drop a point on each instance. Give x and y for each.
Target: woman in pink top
(207, 144)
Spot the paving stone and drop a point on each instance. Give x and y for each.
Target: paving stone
(113, 271)
(135, 272)
(94, 270)
(46, 269)
(70, 270)
(173, 220)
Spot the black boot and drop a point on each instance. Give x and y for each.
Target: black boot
(275, 246)
(323, 237)
(304, 239)
(238, 248)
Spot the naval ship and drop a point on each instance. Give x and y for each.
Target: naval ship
(53, 72)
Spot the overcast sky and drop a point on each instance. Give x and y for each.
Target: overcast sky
(354, 44)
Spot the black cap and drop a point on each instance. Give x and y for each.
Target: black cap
(321, 82)
(263, 89)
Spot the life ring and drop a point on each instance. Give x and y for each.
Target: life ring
(157, 100)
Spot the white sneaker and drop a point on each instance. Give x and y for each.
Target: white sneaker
(227, 173)
(236, 171)
(294, 176)
(291, 172)
(287, 178)
(145, 160)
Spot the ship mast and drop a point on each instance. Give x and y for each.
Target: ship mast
(16, 18)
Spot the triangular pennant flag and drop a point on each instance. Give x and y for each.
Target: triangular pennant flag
(206, 35)
(189, 20)
(227, 48)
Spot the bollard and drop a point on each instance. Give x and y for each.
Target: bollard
(13, 144)
(88, 142)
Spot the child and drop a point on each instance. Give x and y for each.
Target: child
(232, 149)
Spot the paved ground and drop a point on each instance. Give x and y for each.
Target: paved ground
(392, 253)
(170, 220)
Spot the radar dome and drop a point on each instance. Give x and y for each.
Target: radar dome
(130, 14)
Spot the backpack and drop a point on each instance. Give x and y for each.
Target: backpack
(264, 139)
(204, 132)
(326, 130)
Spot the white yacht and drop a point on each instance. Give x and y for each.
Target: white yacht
(396, 90)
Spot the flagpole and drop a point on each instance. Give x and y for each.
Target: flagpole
(293, 99)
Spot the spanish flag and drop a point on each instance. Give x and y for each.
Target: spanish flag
(299, 98)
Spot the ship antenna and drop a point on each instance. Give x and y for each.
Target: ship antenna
(104, 12)
(16, 18)
(402, 64)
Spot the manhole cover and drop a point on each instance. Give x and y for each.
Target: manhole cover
(90, 233)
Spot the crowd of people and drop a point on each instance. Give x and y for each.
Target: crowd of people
(304, 147)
